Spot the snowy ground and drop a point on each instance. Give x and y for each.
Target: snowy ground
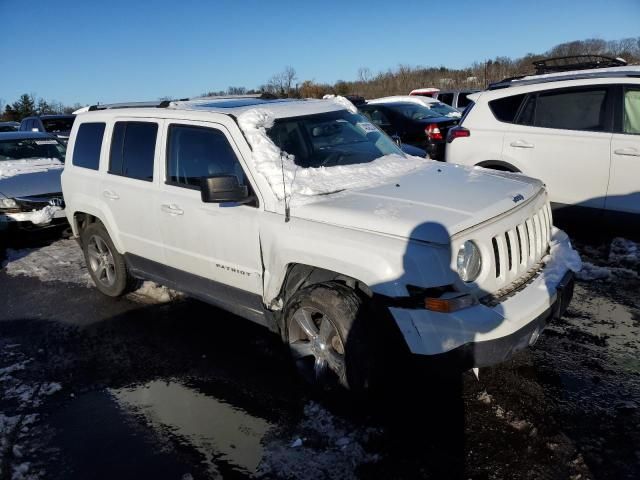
(156, 386)
(63, 261)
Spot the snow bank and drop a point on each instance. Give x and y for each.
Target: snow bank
(12, 168)
(63, 261)
(562, 257)
(591, 272)
(300, 184)
(624, 251)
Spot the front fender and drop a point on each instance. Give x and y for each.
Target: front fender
(385, 264)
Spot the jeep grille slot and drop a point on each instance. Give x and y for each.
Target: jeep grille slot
(496, 254)
(519, 249)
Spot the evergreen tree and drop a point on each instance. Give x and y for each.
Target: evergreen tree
(24, 107)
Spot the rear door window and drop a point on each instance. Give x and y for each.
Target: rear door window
(572, 109)
(133, 148)
(86, 149)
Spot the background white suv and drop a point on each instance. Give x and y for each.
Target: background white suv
(578, 131)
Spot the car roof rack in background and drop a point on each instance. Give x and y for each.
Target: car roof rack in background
(158, 104)
(167, 103)
(576, 62)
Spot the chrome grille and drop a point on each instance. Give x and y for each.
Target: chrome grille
(518, 250)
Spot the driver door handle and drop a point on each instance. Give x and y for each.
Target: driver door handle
(171, 209)
(522, 144)
(110, 195)
(633, 152)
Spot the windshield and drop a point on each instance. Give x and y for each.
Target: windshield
(57, 125)
(26, 148)
(413, 111)
(331, 139)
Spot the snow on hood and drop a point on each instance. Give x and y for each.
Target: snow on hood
(11, 168)
(303, 185)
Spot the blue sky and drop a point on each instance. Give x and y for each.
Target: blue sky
(114, 50)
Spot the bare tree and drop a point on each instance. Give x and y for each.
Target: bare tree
(281, 83)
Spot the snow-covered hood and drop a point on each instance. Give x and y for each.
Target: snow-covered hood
(29, 184)
(418, 205)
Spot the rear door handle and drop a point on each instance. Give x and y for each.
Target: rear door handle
(171, 209)
(522, 144)
(110, 195)
(633, 152)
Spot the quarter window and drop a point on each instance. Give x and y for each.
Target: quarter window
(86, 149)
(631, 119)
(505, 109)
(133, 147)
(194, 153)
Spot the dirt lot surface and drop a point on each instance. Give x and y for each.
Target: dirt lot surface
(156, 385)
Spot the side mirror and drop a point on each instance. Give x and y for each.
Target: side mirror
(223, 188)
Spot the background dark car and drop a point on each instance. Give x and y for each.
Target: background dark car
(9, 126)
(57, 125)
(414, 124)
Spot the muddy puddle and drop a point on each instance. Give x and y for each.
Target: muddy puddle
(220, 432)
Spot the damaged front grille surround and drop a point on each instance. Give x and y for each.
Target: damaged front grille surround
(38, 202)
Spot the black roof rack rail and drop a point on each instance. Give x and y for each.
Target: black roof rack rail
(516, 82)
(158, 104)
(576, 62)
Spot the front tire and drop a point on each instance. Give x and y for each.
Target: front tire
(106, 266)
(327, 337)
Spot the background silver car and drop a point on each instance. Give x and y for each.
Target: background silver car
(30, 193)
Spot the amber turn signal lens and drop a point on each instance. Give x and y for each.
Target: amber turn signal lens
(448, 305)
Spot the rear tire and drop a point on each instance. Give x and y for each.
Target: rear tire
(106, 266)
(329, 338)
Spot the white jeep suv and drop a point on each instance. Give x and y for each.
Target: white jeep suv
(304, 217)
(578, 131)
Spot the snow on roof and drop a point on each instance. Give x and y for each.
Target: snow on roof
(418, 91)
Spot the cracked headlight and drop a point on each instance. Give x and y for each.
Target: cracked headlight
(8, 203)
(469, 261)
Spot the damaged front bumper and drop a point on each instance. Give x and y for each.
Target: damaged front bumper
(30, 220)
(483, 335)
